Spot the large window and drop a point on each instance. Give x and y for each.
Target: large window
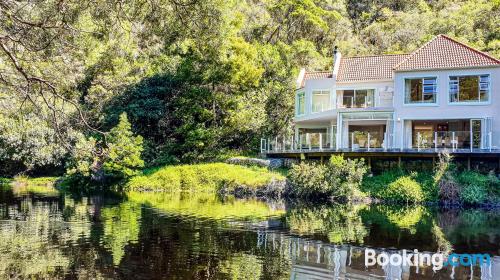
(469, 88)
(301, 103)
(320, 100)
(421, 90)
(360, 98)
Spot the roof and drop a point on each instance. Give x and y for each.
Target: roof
(379, 67)
(443, 52)
(316, 76)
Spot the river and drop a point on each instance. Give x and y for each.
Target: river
(49, 234)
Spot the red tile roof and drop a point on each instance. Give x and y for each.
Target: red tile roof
(379, 67)
(316, 76)
(443, 52)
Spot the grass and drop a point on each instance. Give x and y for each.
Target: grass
(203, 177)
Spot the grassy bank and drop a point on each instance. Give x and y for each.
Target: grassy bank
(209, 177)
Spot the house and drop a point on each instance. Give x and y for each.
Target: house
(444, 95)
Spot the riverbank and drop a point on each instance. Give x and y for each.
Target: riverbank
(338, 180)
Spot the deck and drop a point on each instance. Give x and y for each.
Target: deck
(385, 153)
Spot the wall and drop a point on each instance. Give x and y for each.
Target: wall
(442, 109)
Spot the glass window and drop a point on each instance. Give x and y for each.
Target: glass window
(320, 100)
(421, 90)
(360, 98)
(301, 103)
(469, 88)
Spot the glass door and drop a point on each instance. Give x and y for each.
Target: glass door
(475, 126)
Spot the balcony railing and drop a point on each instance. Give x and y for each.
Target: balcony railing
(305, 141)
(452, 140)
(358, 102)
(455, 141)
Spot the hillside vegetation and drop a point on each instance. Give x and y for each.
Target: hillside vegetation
(196, 78)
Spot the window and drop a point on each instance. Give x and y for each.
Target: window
(360, 98)
(301, 103)
(320, 101)
(469, 88)
(421, 90)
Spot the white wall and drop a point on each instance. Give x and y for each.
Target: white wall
(443, 109)
(383, 94)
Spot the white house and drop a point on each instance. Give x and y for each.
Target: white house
(444, 95)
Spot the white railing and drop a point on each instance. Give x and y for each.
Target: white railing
(374, 141)
(305, 142)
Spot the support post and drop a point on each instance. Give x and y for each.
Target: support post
(284, 144)
(292, 144)
(418, 141)
(321, 141)
(471, 139)
(453, 142)
(490, 140)
(385, 141)
(435, 141)
(368, 145)
(331, 137)
(468, 163)
(399, 161)
(308, 140)
(352, 141)
(276, 143)
(268, 144)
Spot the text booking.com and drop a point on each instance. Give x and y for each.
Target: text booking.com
(415, 258)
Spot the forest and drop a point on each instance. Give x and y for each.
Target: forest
(182, 81)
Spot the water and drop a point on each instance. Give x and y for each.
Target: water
(48, 234)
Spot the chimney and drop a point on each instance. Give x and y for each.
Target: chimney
(336, 60)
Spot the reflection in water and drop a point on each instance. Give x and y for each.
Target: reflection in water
(45, 234)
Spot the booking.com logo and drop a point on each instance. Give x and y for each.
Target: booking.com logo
(414, 258)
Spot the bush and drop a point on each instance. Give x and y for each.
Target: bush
(404, 189)
(391, 185)
(308, 179)
(338, 178)
(474, 187)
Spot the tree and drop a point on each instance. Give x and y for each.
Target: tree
(123, 157)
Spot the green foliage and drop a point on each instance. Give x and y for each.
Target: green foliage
(206, 205)
(121, 228)
(121, 158)
(338, 178)
(474, 187)
(124, 150)
(404, 189)
(399, 186)
(84, 160)
(192, 88)
(341, 223)
(210, 177)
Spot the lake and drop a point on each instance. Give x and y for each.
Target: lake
(45, 233)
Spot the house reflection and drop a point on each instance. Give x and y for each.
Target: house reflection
(320, 260)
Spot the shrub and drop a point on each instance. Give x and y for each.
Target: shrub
(387, 186)
(474, 187)
(338, 178)
(308, 179)
(404, 189)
